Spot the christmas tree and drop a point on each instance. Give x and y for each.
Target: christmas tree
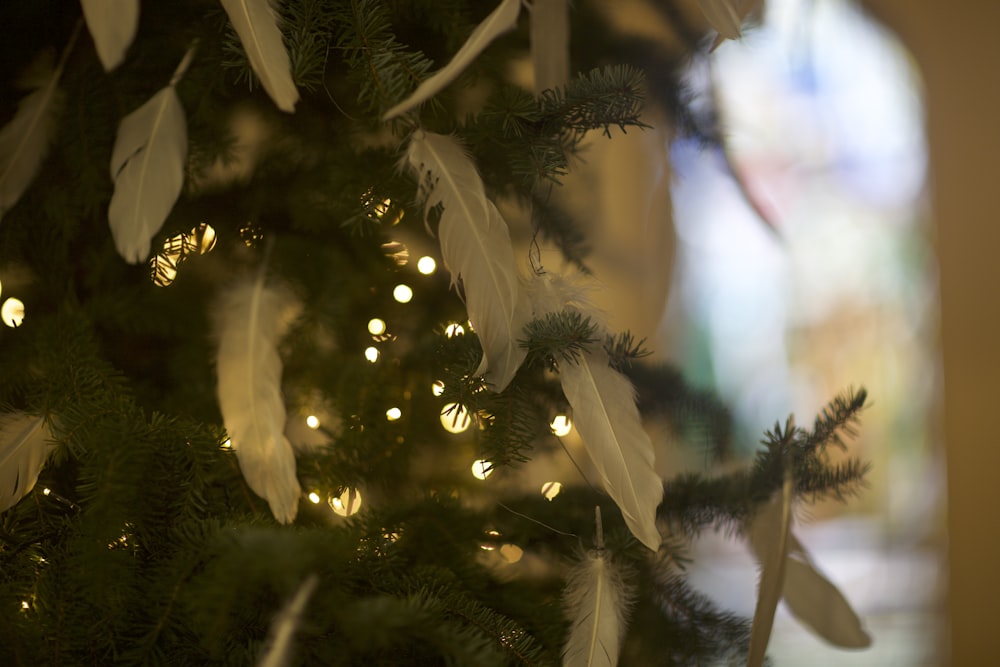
(274, 282)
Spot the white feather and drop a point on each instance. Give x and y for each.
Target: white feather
(476, 248)
(25, 446)
(252, 319)
(810, 596)
(769, 532)
(112, 25)
(278, 652)
(502, 19)
(723, 16)
(147, 167)
(550, 43)
(24, 141)
(256, 23)
(596, 601)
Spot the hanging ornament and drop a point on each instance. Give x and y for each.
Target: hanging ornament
(147, 168)
(476, 248)
(503, 18)
(550, 43)
(256, 23)
(112, 25)
(253, 317)
(25, 446)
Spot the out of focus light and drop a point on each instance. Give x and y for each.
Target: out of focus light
(426, 265)
(376, 326)
(347, 503)
(437, 388)
(481, 469)
(561, 425)
(12, 312)
(314, 497)
(228, 444)
(371, 354)
(455, 418)
(490, 547)
(392, 414)
(511, 553)
(551, 489)
(402, 293)
(312, 421)
(454, 329)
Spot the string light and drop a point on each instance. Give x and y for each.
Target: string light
(25, 604)
(392, 414)
(371, 354)
(481, 469)
(312, 421)
(347, 503)
(46, 491)
(551, 489)
(376, 326)
(228, 444)
(561, 425)
(454, 329)
(402, 293)
(314, 498)
(455, 418)
(437, 388)
(426, 265)
(12, 312)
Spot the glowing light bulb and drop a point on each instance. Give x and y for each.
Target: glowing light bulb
(511, 553)
(437, 388)
(312, 421)
(371, 354)
(12, 312)
(551, 489)
(455, 418)
(561, 425)
(392, 414)
(426, 265)
(46, 491)
(25, 605)
(347, 503)
(376, 326)
(454, 329)
(402, 293)
(481, 469)
(314, 497)
(228, 444)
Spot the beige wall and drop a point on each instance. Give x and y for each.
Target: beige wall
(958, 50)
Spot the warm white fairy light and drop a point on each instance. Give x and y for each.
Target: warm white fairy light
(437, 388)
(454, 329)
(551, 489)
(392, 414)
(561, 425)
(371, 354)
(426, 265)
(376, 326)
(312, 421)
(25, 604)
(228, 444)
(511, 553)
(481, 469)
(314, 498)
(402, 293)
(46, 491)
(347, 503)
(12, 312)
(455, 418)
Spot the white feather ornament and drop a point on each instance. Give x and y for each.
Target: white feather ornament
(810, 596)
(256, 23)
(278, 652)
(25, 446)
(476, 248)
(502, 19)
(606, 417)
(252, 319)
(550, 43)
(596, 601)
(147, 168)
(723, 16)
(24, 141)
(112, 25)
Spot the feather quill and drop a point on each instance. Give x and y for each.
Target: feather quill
(722, 15)
(25, 446)
(596, 600)
(476, 248)
(502, 19)
(278, 652)
(550, 43)
(24, 141)
(256, 23)
(147, 168)
(112, 25)
(253, 317)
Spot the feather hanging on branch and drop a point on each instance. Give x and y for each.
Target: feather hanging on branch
(501, 20)
(147, 168)
(550, 43)
(252, 319)
(476, 248)
(810, 597)
(256, 23)
(596, 601)
(606, 417)
(24, 141)
(278, 652)
(25, 446)
(112, 25)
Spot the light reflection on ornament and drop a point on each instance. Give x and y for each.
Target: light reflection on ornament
(402, 293)
(454, 329)
(455, 418)
(481, 469)
(371, 354)
(347, 503)
(392, 414)
(426, 265)
(399, 253)
(437, 388)
(490, 547)
(314, 497)
(551, 489)
(376, 326)
(561, 425)
(12, 312)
